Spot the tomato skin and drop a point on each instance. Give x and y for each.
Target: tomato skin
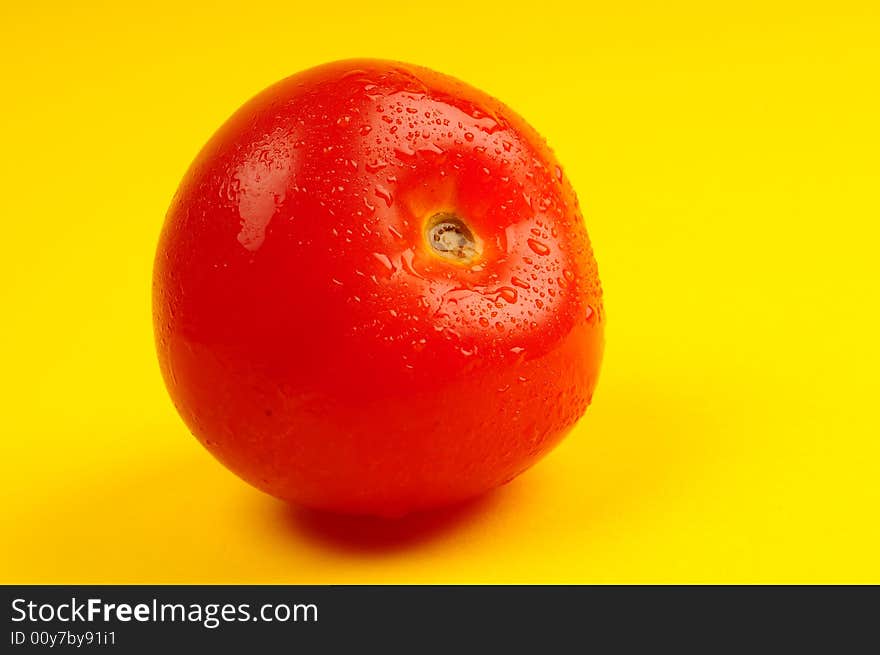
(313, 341)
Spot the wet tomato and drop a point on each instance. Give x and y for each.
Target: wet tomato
(374, 292)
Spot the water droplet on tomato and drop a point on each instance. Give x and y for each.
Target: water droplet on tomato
(508, 294)
(407, 262)
(384, 260)
(538, 248)
(404, 152)
(385, 194)
(432, 148)
(375, 165)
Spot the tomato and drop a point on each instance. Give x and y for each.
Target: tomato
(374, 292)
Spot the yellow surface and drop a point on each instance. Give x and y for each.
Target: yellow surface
(727, 159)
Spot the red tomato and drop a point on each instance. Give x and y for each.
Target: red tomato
(374, 292)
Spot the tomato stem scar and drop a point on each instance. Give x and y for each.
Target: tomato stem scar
(450, 238)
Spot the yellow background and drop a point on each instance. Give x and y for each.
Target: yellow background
(727, 158)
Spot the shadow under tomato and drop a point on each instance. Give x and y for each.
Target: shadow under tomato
(638, 444)
(366, 534)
